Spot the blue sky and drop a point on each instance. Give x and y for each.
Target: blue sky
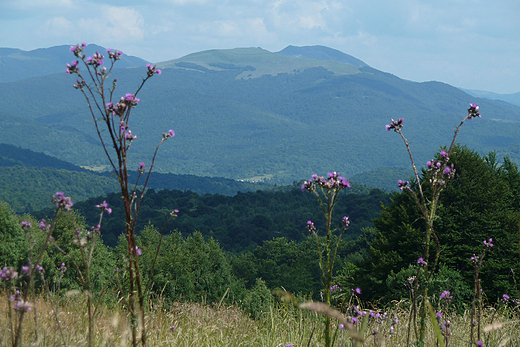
(467, 43)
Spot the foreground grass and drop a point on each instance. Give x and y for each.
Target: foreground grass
(194, 324)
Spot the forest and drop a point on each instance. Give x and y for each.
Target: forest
(241, 239)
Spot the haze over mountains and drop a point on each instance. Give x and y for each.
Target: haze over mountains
(249, 113)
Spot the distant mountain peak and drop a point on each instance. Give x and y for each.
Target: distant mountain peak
(321, 53)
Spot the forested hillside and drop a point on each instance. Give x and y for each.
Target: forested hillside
(292, 117)
(240, 222)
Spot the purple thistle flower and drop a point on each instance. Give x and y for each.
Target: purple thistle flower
(421, 262)
(473, 111)
(505, 297)
(395, 125)
(480, 343)
(402, 184)
(488, 243)
(345, 221)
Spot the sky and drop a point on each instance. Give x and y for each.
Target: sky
(471, 44)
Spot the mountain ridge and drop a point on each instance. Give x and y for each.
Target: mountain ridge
(282, 125)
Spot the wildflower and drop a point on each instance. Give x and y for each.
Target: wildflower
(63, 268)
(104, 207)
(152, 70)
(473, 111)
(444, 155)
(174, 213)
(480, 343)
(78, 49)
(96, 60)
(288, 345)
(488, 243)
(137, 250)
(72, 67)
(129, 137)
(62, 201)
(392, 331)
(335, 288)
(505, 297)
(421, 262)
(402, 184)
(8, 274)
(26, 225)
(396, 125)
(116, 55)
(345, 221)
(311, 227)
(169, 134)
(356, 291)
(172, 328)
(341, 326)
(446, 295)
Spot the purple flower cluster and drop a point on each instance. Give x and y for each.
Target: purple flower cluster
(169, 134)
(473, 111)
(311, 227)
(335, 288)
(333, 181)
(62, 201)
(152, 70)
(402, 184)
(8, 274)
(488, 243)
(345, 221)
(104, 207)
(446, 296)
(96, 60)
(72, 67)
(115, 55)
(19, 303)
(78, 50)
(126, 102)
(396, 125)
(421, 262)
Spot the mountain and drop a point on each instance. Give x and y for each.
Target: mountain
(513, 98)
(250, 114)
(28, 180)
(16, 64)
(321, 53)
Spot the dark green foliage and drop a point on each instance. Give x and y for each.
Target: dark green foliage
(29, 188)
(239, 222)
(480, 203)
(13, 242)
(189, 268)
(258, 300)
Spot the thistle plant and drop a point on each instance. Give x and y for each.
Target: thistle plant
(327, 191)
(476, 304)
(19, 299)
(439, 171)
(111, 117)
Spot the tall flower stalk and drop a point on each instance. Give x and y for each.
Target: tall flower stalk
(440, 171)
(327, 191)
(112, 117)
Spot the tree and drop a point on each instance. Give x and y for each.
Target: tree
(481, 202)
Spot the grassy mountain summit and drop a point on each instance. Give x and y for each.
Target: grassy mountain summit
(251, 114)
(321, 53)
(255, 62)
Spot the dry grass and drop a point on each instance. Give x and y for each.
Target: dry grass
(204, 325)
